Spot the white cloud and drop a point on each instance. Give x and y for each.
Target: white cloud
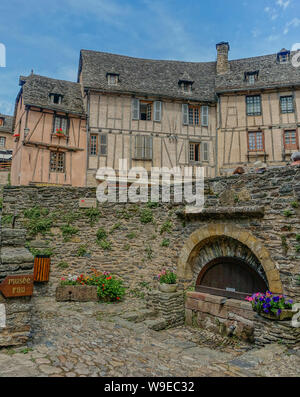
(283, 3)
(294, 23)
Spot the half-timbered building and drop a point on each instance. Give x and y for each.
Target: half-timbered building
(49, 133)
(6, 147)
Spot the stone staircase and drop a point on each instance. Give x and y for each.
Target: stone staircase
(148, 318)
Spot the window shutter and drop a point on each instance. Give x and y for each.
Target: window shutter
(157, 111)
(139, 143)
(205, 156)
(204, 116)
(185, 114)
(148, 147)
(135, 109)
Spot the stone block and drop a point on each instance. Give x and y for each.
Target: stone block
(77, 293)
(188, 317)
(214, 299)
(196, 295)
(191, 304)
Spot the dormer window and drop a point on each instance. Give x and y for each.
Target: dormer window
(56, 99)
(112, 78)
(283, 56)
(1, 121)
(185, 83)
(251, 77)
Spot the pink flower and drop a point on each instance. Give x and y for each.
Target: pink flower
(63, 279)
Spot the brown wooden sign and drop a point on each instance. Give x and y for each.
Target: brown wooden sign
(16, 286)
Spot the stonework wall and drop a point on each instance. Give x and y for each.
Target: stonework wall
(140, 250)
(235, 318)
(15, 260)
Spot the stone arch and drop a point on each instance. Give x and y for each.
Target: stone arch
(197, 240)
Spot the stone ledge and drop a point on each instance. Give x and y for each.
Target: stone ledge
(16, 255)
(223, 213)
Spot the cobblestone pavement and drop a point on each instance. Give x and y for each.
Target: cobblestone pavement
(92, 339)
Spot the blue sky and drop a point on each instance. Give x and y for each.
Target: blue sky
(46, 36)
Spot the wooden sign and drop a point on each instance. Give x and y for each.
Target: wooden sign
(16, 286)
(88, 203)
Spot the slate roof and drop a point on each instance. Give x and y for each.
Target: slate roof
(271, 74)
(153, 77)
(36, 90)
(146, 76)
(7, 125)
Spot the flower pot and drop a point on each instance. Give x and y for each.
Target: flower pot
(76, 293)
(168, 288)
(60, 135)
(284, 315)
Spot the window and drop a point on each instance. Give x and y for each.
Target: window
(143, 110)
(93, 145)
(193, 115)
(186, 86)
(60, 123)
(2, 141)
(283, 56)
(103, 144)
(194, 151)
(290, 140)
(57, 162)
(251, 77)
(112, 79)
(255, 141)
(143, 147)
(287, 104)
(1, 121)
(56, 99)
(253, 105)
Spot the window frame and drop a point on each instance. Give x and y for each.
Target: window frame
(4, 139)
(147, 104)
(53, 96)
(263, 141)
(194, 108)
(253, 104)
(61, 118)
(287, 111)
(143, 148)
(92, 145)
(57, 159)
(291, 146)
(194, 144)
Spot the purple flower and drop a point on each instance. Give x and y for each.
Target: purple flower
(276, 298)
(279, 311)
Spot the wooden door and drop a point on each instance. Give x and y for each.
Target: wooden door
(230, 277)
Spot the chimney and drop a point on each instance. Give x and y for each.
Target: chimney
(222, 58)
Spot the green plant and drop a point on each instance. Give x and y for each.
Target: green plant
(166, 227)
(6, 220)
(149, 252)
(101, 234)
(68, 231)
(1, 202)
(93, 214)
(26, 350)
(62, 265)
(146, 215)
(37, 220)
(167, 277)
(298, 237)
(111, 289)
(287, 213)
(126, 247)
(236, 198)
(295, 204)
(115, 227)
(131, 235)
(69, 217)
(82, 250)
(298, 280)
(298, 248)
(150, 204)
(165, 242)
(284, 243)
(104, 244)
(269, 303)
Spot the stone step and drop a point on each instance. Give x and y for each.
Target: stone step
(157, 324)
(13, 237)
(140, 315)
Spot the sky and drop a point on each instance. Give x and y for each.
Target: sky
(47, 36)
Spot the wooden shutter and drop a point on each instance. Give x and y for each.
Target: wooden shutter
(157, 111)
(148, 147)
(204, 116)
(205, 155)
(135, 109)
(185, 114)
(139, 146)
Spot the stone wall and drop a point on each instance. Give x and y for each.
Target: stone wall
(15, 260)
(140, 250)
(235, 318)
